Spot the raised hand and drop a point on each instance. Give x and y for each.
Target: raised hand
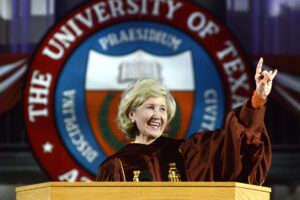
(264, 80)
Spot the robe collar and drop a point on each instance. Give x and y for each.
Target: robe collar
(148, 149)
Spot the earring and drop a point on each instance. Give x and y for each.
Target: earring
(132, 121)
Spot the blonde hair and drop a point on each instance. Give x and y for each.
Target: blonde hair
(135, 96)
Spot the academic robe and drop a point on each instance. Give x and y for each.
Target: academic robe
(239, 152)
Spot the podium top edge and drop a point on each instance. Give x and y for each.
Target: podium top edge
(143, 184)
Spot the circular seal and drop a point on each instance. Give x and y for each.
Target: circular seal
(82, 66)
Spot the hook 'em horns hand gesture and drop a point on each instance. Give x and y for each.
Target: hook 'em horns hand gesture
(264, 80)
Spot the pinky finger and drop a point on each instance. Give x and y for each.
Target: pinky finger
(274, 74)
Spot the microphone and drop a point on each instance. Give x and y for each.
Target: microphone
(145, 175)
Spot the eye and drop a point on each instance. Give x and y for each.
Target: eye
(163, 109)
(150, 107)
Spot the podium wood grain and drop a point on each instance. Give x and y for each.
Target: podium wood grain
(142, 190)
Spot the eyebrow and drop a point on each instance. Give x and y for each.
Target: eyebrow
(151, 104)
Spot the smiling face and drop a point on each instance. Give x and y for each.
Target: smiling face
(151, 119)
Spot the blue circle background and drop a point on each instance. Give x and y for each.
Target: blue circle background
(72, 76)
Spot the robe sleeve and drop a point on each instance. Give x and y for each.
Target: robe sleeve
(108, 171)
(239, 152)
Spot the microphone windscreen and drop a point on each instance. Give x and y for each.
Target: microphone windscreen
(145, 175)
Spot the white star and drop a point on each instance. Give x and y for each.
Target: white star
(48, 147)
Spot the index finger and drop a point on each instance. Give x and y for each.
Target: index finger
(259, 65)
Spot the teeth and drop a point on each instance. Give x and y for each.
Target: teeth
(154, 124)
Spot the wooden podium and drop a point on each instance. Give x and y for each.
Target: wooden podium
(142, 190)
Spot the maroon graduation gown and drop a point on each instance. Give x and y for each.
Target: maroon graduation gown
(239, 152)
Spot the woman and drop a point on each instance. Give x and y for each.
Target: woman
(239, 152)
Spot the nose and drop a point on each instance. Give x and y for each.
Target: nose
(156, 114)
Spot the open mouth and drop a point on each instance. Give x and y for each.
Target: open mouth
(154, 125)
